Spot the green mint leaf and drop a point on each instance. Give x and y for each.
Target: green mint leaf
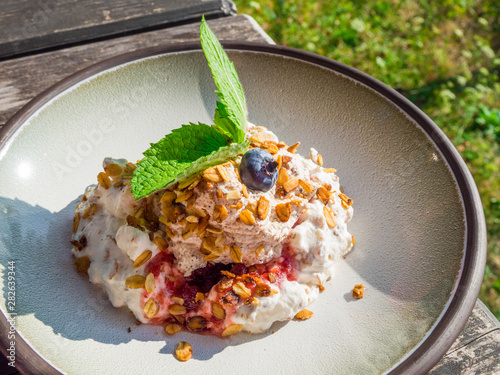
(230, 114)
(223, 124)
(193, 148)
(174, 155)
(217, 157)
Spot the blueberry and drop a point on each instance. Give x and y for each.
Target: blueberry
(258, 170)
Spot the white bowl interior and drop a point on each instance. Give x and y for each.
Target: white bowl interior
(408, 219)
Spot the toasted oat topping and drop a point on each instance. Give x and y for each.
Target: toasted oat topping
(323, 194)
(104, 180)
(282, 177)
(113, 169)
(143, 258)
(151, 308)
(293, 149)
(283, 210)
(235, 252)
(241, 290)
(329, 217)
(306, 185)
(90, 210)
(329, 170)
(263, 208)
(220, 213)
(184, 351)
(346, 202)
(259, 250)
(184, 196)
(211, 175)
(291, 184)
(76, 221)
(244, 191)
(272, 277)
(82, 264)
(223, 172)
(263, 290)
(172, 328)
(178, 300)
(149, 283)
(304, 314)
(79, 244)
(319, 160)
(197, 323)
(232, 329)
(177, 309)
(189, 183)
(233, 194)
(358, 291)
(247, 217)
(218, 311)
(135, 282)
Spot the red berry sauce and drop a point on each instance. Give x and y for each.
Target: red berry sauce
(212, 284)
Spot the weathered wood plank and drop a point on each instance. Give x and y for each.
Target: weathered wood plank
(479, 323)
(21, 79)
(481, 356)
(31, 25)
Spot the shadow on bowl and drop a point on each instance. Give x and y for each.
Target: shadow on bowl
(64, 300)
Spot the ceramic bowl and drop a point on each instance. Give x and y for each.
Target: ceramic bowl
(418, 224)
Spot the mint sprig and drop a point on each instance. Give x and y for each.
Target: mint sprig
(230, 114)
(194, 147)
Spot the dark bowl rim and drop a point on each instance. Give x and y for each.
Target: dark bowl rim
(439, 339)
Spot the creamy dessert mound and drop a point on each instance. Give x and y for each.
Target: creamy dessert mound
(210, 254)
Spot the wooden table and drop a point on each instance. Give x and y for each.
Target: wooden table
(43, 42)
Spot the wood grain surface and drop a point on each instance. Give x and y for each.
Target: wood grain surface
(476, 350)
(31, 25)
(23, 78)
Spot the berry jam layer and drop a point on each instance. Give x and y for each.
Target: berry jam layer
(207, 300)
(210, 253)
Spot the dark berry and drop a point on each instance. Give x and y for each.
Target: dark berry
(205, 278)
(188, 294)
(258, 170)
(239, 269)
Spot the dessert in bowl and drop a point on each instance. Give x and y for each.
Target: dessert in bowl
(209, 253)
(420, 239)
(215, 247)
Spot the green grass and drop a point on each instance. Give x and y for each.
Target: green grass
(443, 55)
